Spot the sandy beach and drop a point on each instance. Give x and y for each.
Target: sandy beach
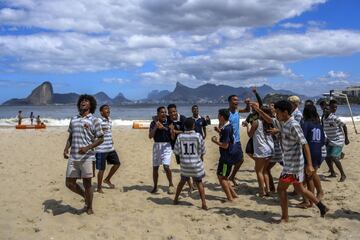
(35, 203)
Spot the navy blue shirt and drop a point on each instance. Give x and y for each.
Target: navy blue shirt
(226, 136)
(178, 125)
(315, 136)
(199, 124)
(161, 135)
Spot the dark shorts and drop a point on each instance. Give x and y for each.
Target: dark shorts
(249, 149)
(316, 161)
(195, 179)
(224, 169)
(236, 153)
(109, 157)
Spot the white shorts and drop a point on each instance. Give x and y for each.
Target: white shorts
(161, 154)
(79, 169)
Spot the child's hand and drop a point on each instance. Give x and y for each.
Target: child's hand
(159, 125)
(217, 129)
(309, 170)
(347, 141)
(244, 124)
(214, 139)
(272, 131)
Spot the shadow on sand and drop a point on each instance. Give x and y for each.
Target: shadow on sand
(57, 208)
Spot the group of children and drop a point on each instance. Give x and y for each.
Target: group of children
(279, 133)
(32, 116)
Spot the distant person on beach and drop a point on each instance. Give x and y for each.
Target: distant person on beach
(38, 120)
(19, 117)
(234, 120)
(161, 133)
(200, 122)
(32, 118)
(105, 152)
(85, 134)
(296, 113)
(295, 147)
(226, 144)
(190, 147)
(337, 137)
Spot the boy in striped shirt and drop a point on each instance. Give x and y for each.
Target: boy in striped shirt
(295, 147)
(105, 152)
(190, 148)
(337, 137)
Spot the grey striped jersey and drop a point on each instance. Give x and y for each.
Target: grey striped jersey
(108, 144)
(293, 140)
(297, 115)
(84, 131)
(333, 128)
(190, 146)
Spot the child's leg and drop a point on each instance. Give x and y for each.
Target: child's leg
(191, 186)
(88, 195)
(178, 189)
(330, 164)
(266, 176)
(271, 181)
(259, 168)
(168, 174)
(317, 184)
(155, 178)
(339, 166)
(309, 195)
(281, 189)
(232, 191)
(100, 179)
(225, 186)
(306, 203)
(200, 187)
(234, 172)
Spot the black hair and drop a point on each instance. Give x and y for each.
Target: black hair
(310, 114)
(189, 124)
(332, 101)
(159, 108)
(284, 105)
(195, 106)
(90, 98)
(103, 106)
(267, 110)
(231, 96)
(309, 102)
(171, 106)
(323, 102)
(224, 113)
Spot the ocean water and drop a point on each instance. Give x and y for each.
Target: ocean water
(60, 115)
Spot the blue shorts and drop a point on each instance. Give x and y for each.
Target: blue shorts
(237, 154)
(109, 157)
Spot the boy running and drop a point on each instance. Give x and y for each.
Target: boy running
(295, 147)
(105, 152)
(226, 143)
(85, 134)
(200, 122)
(161, 133)
(190, 147)
(337, 137)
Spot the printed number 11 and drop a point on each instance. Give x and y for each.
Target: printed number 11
(186, 146)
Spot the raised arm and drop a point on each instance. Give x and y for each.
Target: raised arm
(264, 116)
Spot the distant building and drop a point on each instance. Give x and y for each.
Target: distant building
(353, 91)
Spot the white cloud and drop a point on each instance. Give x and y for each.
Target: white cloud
(115, 80)
(292, 25)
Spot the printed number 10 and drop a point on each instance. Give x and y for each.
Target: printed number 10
(316, 134)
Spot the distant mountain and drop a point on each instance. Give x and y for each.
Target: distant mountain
(44, 95)
(208, 93)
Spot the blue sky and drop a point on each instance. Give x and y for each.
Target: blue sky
(133, 47)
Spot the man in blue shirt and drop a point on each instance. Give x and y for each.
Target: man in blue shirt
(234, 119)
(200, 122)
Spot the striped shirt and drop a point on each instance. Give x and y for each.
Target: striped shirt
(333, 128)
(84, 131)
(190, 146)
(108, 144)
(297, 115)
(292, 142)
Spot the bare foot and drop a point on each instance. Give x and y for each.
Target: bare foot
(281, 220)
(304, 205)
(112, 186)
(320, 196)
(322, 214)
(154, 190)
(342, 178)
(204, 207)
(99, 190)
(89, 211)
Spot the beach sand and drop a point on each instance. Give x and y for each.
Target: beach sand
(35, 204)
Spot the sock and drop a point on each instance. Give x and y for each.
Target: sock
(322, 208)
